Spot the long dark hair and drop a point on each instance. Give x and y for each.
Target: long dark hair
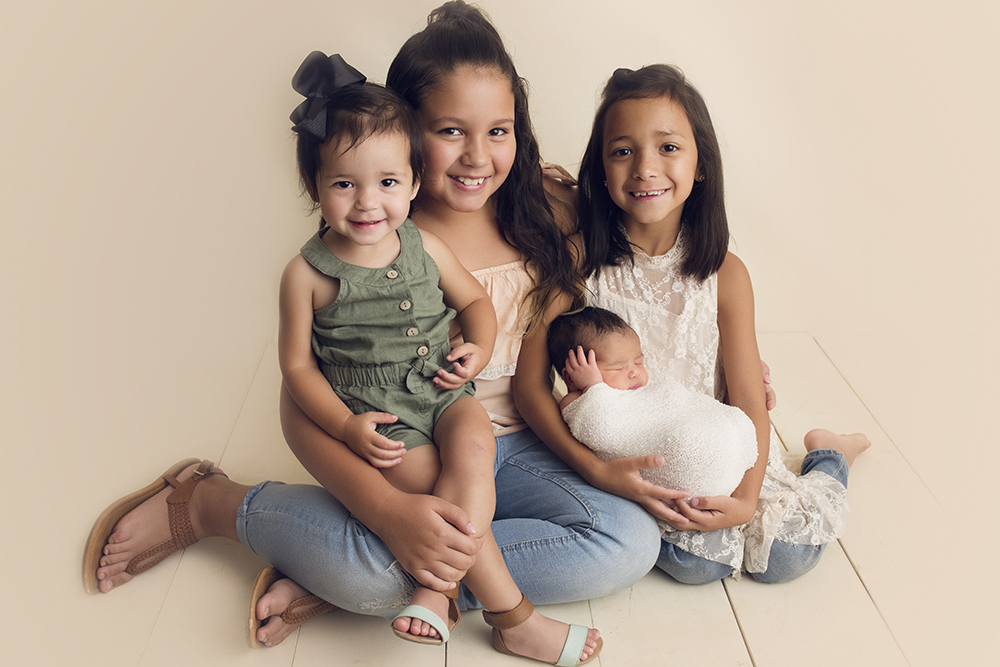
(704, 226)
(458, 34)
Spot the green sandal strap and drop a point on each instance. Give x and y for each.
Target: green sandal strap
(427, 616)
(573, 647)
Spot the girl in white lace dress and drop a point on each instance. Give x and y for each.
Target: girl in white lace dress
(654, 230)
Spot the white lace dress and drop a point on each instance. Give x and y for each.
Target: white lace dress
(676, 319)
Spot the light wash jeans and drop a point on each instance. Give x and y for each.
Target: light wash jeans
(561, 538)
(785, 562)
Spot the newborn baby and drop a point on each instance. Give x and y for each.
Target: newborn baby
(708, 445)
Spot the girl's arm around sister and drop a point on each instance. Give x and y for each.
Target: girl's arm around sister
(533, 394)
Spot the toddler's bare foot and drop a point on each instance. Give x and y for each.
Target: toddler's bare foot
(429, 599)
(144, 527)
(542, 638)
(273, 603)
(849, 445)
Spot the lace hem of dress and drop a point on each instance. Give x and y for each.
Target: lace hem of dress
(798, 510)
(497, 372)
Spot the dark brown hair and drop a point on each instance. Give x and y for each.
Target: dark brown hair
(354, 113)
(457, 35)
(580, 328)
(703, 222)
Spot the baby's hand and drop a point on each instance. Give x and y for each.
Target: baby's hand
(360, 435)
(581, 369)
(469, 360)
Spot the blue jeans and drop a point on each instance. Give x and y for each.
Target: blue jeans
(785, 562)
(561, 538)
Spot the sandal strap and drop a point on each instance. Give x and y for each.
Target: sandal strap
(179, 520)
(505, 620)
(429, 617)
(293, 617)
(573, 646)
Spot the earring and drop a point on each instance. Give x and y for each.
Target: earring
(700, 178)
(605, 184)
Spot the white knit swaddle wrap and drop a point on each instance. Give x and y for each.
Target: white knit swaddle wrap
(707, 445)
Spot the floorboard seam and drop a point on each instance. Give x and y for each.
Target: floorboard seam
(878, 423)
(243, 403)
(159, 611)
(885, 622)
(736, 617)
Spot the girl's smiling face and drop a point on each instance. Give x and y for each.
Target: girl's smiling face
(365, 190)
(469, 145)
(650, 160)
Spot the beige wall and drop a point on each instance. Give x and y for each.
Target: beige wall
(148, 200)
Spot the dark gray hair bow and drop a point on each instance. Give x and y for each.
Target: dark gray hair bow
(317, 77)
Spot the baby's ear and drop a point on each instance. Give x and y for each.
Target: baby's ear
(569, 382)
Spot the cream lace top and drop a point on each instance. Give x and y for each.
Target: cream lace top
(676, 319)
(507, 286)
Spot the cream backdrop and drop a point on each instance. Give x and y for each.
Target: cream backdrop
(148, 203)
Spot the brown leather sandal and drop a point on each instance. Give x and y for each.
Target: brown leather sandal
(265, 578)
(181, 531)
(572, 647)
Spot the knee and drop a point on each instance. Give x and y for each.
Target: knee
(788, 561)
(624, 542)
(687, 568)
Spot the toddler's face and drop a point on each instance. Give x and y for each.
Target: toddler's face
(365, 189)
(620, 360)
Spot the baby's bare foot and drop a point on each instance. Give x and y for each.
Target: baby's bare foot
(144, 527)
(849, 445)
(273, 603)
(429, 599)
(542, 638)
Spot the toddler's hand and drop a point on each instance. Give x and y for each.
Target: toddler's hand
(469, 360)
(581, 369)
(360, 435)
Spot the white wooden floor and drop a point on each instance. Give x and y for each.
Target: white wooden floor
(871, 602)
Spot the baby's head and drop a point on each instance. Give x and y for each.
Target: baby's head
(341, 112)
(615, 344)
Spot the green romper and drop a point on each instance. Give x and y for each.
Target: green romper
(381, 342)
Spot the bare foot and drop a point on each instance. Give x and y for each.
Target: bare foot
(144, 527)
(429, 599)
(536, 638)
(272, 604)
(849, 445)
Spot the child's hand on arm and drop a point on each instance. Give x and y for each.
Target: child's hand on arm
(474, 313)
(469, 360)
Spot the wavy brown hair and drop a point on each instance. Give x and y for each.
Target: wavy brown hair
(457, 35)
